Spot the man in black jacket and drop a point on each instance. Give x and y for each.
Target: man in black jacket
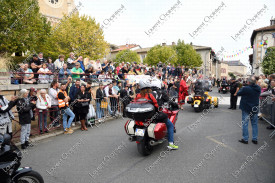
(100, 96)
(234, 88)
(125, 97)
(24, 108)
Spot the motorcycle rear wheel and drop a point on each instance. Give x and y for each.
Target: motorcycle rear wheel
(31, 177)
(144, 147)
(197, 109)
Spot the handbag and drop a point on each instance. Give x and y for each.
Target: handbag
(104, 105)
(84, 104)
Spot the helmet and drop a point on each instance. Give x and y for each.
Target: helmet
(156, 83)
(144, 83)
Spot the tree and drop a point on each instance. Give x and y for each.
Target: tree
(162, 54)
(127, 56)
(78, 34)
(22, 27)
(187, 55)
(268, 64)
(231, 74)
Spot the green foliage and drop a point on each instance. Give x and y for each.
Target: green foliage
(162, 54)
(231, 75)
(127, 56)
(268, 64)
(78, 34)
(187, 55)
(22, 27)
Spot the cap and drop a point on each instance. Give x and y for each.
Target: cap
(34, 55)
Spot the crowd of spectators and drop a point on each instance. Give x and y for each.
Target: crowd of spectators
(70, 93)
(41, 70)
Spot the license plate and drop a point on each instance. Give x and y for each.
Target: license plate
(139, 132)
(196, 105)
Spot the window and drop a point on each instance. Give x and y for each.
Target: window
(53, 1)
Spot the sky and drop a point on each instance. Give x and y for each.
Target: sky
(210, 23)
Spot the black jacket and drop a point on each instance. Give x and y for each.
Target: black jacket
(79, 107)
(125, 97)
(233, 87)
(100, 94)
(24, 111)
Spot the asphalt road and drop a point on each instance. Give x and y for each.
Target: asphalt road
(209, 151)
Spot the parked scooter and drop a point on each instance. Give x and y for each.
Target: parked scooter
(10, 158)
(143, 129)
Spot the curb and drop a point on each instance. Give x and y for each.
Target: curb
(53, 134)
(42, 137)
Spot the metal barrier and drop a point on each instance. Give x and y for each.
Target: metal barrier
(102, 109)
(267, 108)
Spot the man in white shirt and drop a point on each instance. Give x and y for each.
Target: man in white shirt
(59, 62)
(98, 66)
(110, 93)
(53, 91)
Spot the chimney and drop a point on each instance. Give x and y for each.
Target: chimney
(272, 21)
(173, 43)
(163, 44)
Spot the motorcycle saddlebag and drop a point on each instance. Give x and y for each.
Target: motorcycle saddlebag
(189, 100)
(155, 130)
(140, 110)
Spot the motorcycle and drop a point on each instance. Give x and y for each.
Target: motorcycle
(202, 100)
(10, 158)
(146, 131)
(224, 89)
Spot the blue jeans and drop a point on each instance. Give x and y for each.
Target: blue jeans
(43, 120)
(254, 123)
(99, 111)
(67, 112)
(170, 130)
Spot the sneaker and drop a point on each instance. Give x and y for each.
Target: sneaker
(70, 130)
(23, 146)
(27, 144)
(243, 141)
(73, 124)
(65, 132)
(173, 146)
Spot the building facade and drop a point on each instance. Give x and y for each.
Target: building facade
(260, 40)
(54, 10)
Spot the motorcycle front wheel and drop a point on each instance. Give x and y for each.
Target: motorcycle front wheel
(144, 148)
(30, 177)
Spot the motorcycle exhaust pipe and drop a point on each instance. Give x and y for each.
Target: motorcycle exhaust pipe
(131, 139)
(154, 143)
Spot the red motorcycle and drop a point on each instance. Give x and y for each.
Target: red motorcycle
(143, 129)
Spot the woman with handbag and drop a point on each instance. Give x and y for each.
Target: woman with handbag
(100, 96)
(43, 104)
(82, 105)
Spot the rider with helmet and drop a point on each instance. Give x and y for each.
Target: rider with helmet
(146, 92)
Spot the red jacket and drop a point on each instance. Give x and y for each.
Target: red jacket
(151, 98)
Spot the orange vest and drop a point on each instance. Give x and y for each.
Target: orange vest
(61, 102)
